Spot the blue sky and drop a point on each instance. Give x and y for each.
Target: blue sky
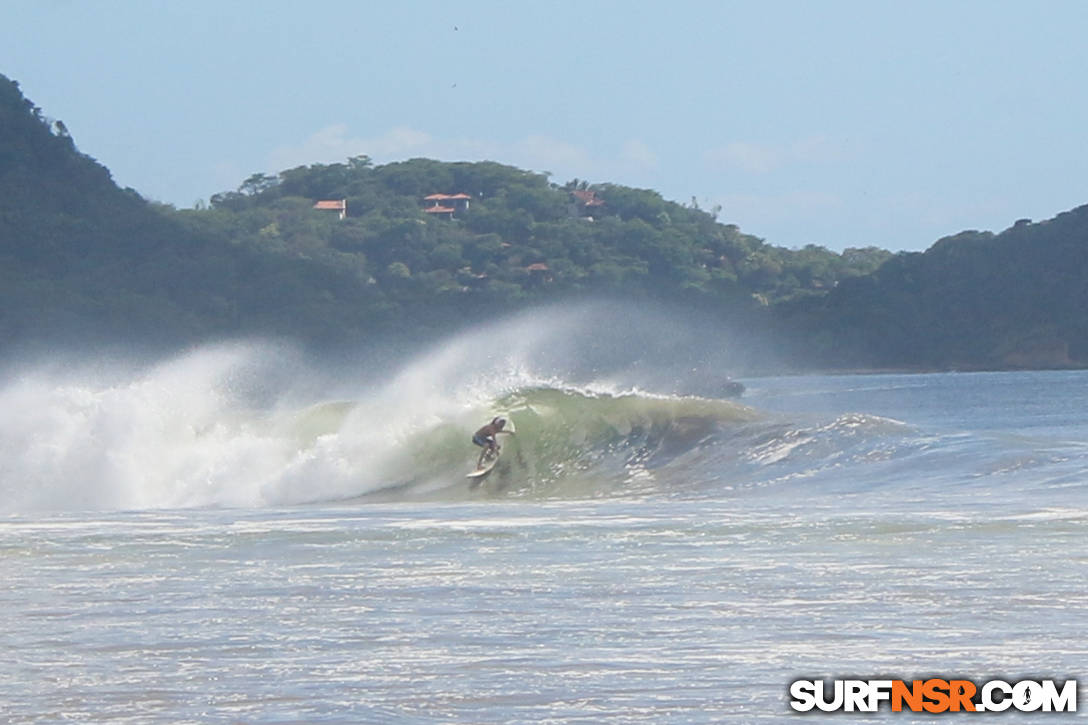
(834, 123)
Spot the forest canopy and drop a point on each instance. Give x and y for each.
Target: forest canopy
(513, 234)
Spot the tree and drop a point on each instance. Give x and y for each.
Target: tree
(257, 184)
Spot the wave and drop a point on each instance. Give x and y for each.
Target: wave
(251, 424)
(241, 426)
(237, 425)
(567, 442)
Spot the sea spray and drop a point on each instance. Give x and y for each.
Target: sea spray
(205, 429)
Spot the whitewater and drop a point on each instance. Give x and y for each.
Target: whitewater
(247, 532)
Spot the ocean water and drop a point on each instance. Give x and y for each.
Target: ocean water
(235, 536)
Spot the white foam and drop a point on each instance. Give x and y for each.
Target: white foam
(218, 426)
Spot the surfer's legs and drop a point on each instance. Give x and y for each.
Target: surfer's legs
(489, 452)
(486, 444)
(489, 445)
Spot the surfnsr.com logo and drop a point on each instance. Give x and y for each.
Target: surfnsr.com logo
(933, 695)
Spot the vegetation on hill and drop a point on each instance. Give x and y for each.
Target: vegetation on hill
(973, 300)
(81, 259)
(516, 237)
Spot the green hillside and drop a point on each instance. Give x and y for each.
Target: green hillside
(422, 246)
(511, 236)
(973, 300)
(82, 260)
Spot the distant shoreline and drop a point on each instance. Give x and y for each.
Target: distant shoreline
(915, 371)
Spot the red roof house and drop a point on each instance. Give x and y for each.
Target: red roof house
(459, 202)
(333, 205)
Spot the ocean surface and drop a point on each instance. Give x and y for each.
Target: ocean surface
(208, 539)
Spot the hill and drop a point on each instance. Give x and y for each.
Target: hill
(460, 235)
(83, 260)
(1018, 299)
(421, 245)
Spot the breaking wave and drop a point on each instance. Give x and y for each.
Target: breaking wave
(261, 424)
(240, 426)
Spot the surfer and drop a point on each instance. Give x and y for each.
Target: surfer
(485, 438)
